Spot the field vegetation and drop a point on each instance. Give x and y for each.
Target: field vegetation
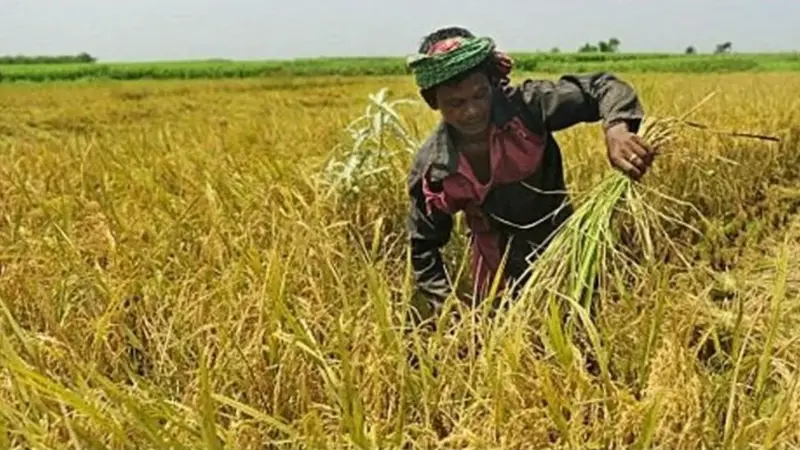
(551, 63)
(222, 264)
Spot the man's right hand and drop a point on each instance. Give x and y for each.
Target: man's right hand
(628, 152)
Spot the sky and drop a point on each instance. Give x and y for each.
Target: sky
(116, 30)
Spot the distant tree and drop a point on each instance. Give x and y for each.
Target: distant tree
(609, 46)
(555, 50)
(725, 47)
(85, 58)
(613, 44)
(690, 50)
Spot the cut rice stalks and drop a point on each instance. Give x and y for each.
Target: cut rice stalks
(586, 246)
(568, 272)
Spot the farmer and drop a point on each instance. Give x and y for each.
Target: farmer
(493, 157)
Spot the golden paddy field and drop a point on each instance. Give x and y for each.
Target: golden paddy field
(176, 273)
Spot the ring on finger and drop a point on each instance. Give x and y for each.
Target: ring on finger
(632, 158)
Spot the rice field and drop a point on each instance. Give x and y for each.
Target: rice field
(215, 264)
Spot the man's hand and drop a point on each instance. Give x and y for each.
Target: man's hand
(628, 152)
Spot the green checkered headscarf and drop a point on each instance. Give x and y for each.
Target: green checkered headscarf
(449, 58)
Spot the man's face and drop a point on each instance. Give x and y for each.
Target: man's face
(466, 106)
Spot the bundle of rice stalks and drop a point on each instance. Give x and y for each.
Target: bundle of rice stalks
(586, 246)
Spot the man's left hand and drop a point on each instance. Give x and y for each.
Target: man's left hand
(628, 152)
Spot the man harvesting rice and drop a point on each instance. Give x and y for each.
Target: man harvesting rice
(494, 157)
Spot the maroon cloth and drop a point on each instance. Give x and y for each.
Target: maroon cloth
(444, 46)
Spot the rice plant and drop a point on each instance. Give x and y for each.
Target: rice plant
(380, 145)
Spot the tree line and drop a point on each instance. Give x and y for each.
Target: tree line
(613, 44)
(56, 59)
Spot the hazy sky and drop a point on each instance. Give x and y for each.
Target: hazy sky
(250, 29)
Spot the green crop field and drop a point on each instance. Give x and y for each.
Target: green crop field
(208, 264)
(543, 63)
